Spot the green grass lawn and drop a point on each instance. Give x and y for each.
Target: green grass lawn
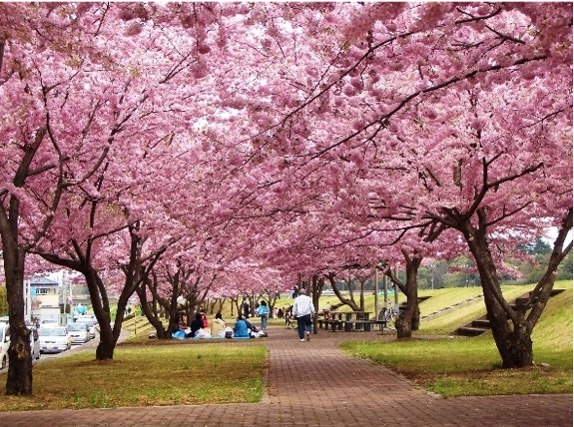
(151, 375)
(471, 366)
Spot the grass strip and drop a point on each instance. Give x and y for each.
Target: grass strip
(465, 367)
(139, 376)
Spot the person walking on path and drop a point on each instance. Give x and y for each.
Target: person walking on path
(303, 310)
(263, 313)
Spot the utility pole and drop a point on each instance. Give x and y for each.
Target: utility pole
(376, 294)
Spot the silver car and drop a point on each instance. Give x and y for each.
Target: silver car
(90, 323)
(79, 332)
(54, 339)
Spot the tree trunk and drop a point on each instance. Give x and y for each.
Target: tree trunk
(403, 325)
(316, 289)
(517, 353)
(409, 317)
(350, 302)
(19, 381)
(151, 313)
(101, 306)
(19, 378)
(512, 338)
(106, 346)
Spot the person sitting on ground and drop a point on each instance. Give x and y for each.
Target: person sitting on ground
(253, 331)
(250, 326)
(180, 327)
(240, 330)
(204, 319)
(218, 326)
(196, 325)
(288, 317)
(182, 322)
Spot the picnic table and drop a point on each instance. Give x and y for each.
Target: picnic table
(346, 320)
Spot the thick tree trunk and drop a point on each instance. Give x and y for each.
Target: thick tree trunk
(402, 325)
(101, 307)
(518, 349)
(19, 378)
(404, 321)
(106, 347)
(19, 381)
(512, 338)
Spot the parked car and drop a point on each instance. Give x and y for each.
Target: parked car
(54, 339)
(35, 346)
(91, 325)
(4, 344)
(79, 332)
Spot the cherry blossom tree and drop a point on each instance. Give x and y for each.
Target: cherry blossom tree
(40, 76)
(73, 72)
(447, 113)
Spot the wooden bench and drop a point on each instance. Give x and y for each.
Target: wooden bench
(364, 325)
(333, 323)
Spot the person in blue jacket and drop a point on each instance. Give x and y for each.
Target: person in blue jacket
(240, 330)
(263, 313)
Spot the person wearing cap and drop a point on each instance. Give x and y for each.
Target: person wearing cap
(303, 310)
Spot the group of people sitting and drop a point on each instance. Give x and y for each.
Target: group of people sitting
(199, 328)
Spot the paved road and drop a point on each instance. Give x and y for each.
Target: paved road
(316, 384)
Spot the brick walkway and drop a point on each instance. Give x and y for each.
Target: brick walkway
(316, 384)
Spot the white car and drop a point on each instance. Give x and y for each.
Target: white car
(91, 325)
(35, 347)
(54, 339)
(4, 344)
(79, 332)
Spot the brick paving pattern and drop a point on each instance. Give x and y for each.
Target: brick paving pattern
(316, 384)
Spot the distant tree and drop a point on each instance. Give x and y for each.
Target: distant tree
(539, 247)
(564, 271)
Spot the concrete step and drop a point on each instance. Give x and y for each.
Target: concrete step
(481, 323)
(469, 331)
(479, 326)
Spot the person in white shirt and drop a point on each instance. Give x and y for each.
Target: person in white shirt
(303, 310)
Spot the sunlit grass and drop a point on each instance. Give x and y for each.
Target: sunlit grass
(154, 375)
(471, 366)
